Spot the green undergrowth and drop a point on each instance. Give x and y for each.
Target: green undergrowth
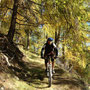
(31, 56)
(21, 85)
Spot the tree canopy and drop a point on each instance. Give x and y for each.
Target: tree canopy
(31, 22)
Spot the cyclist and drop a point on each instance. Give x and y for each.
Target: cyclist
(49, 49)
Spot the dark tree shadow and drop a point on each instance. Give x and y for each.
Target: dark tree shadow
(69, 80)
(73, 82)
(34, 73)
(31, 72)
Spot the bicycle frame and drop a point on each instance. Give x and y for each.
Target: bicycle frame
(49, 71)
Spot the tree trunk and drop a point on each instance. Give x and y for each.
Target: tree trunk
(13, 22)
(57, 36)
(63, 46)
(27, 42)
(27, 33)
(63, 51)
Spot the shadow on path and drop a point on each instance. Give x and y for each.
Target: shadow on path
(33, 73)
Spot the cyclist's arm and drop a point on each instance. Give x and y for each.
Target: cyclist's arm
(55, 48)
(56, 51)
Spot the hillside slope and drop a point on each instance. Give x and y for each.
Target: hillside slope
(24, 70)
(32, 77)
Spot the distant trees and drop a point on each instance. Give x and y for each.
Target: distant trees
(36, 20)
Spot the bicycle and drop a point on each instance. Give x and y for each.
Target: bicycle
(49, 71)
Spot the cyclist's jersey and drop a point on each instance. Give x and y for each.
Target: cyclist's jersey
(49, 48)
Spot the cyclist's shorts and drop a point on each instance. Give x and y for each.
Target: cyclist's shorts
(47, 58)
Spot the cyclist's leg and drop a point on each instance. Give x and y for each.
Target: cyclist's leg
(52, 59)
(46, 61)
(52, 63)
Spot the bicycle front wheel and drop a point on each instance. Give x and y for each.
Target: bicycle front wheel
(50, 77)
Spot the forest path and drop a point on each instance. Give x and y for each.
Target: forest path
(32, 76)
(36, 77)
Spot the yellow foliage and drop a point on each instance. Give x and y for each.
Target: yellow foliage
(22, 32)
(50, 31)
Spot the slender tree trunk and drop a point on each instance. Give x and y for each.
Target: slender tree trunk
(63, 46)
(13, 22)
(63, 51)
(57, 36)
(28, 41)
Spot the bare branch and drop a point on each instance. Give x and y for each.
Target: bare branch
(9, 8)
(31, 11)
(21, 20)
(33, 24)
(34, 2)
(23, 16)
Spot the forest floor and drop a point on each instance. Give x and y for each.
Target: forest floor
(32, 76)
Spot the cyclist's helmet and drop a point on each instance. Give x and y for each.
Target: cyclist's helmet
(50, 39)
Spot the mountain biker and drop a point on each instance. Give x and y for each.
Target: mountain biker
(49, 49)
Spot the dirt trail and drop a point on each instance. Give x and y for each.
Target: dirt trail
(33, 74)
(61, 80)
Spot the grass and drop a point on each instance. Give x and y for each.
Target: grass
(32, 56)
(21, 85)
